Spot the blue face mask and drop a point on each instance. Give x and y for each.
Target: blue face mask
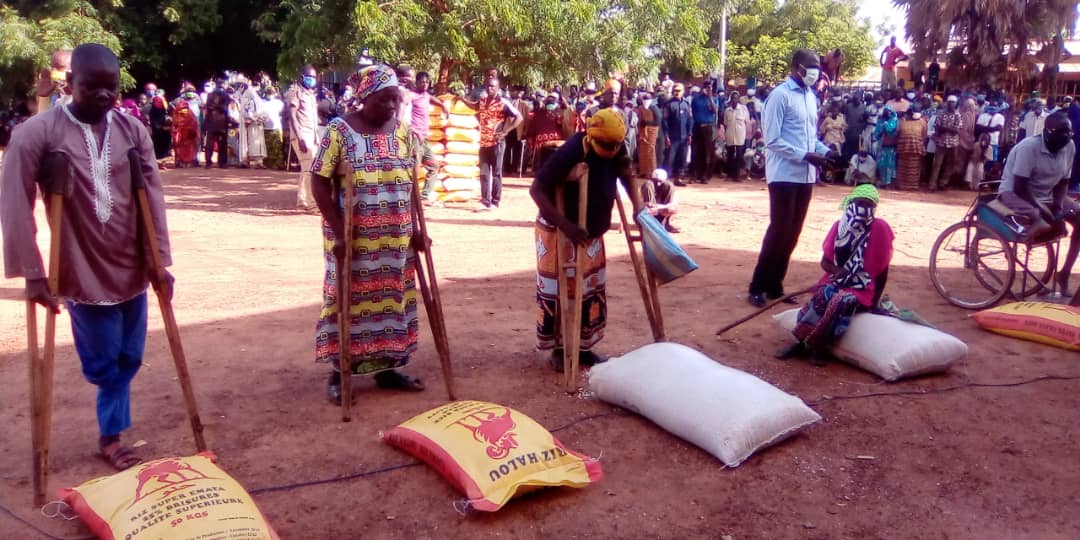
(308, 81)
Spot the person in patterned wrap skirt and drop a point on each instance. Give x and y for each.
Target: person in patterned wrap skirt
(371, 152)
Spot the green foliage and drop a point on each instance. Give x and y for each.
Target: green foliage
(31, 30)
(530, 41)
(763, 35)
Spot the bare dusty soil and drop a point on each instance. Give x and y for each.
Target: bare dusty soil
(974, 462)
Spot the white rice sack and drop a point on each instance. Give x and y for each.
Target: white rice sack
(726, 412)
(889, 347)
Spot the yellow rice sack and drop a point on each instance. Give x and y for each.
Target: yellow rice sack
(437, 148)
(1043, 322)
(491, 453)
(459, 108)
(459, 171)
(463, 135)
(465, 160)
(436, 135)
(463, 121)
(466, 148)
(188, 498)
(437, 121)
(458, 196)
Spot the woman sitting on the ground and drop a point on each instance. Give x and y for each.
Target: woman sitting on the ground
(857, 253)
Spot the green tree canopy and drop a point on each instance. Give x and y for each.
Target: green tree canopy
(763, 35)
(30, 30)
(539, 40)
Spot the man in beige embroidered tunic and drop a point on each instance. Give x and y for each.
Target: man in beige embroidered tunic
(104, 268)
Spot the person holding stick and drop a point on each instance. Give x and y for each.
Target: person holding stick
(104, 270)
(370, 151)
(857, 253)
(601, 149)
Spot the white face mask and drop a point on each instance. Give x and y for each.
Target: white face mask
(646, 103)
(911, 95)
(916, 116)
(811, 76)
(750, 92)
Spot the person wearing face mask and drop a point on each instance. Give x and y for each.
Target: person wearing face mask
(910, 149)
(992, 122)
(302, 122)
(855, 117)
(792, 155)
(886, 133)
(370, 151)
(1035, 186)
(946, 142)
(736, 127)
(545, 131)
(874, 106)
(1034, 120)
(601, 152)
(648, 129)
(678, 126)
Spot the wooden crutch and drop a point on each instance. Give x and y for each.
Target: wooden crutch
(570, 315)
(344, 279)
(650, 294)
(429, 284)
(54, 181)
(172, 330)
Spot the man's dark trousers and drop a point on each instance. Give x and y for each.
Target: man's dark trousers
(788, 203)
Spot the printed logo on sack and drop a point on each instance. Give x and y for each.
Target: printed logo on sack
(168, 475)
(492, 426)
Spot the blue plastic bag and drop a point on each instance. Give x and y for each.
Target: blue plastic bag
(665, 259)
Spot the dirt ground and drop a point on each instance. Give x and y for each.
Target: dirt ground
(977, 462)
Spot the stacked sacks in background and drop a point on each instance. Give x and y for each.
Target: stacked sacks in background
(437, 142)
(461, 181)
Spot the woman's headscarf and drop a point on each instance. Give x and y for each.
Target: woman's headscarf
(892, 124)
(852, 235)
(604, 132)
(371, 79)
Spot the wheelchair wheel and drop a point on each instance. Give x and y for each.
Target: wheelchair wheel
(971, 265)
(1036, 278)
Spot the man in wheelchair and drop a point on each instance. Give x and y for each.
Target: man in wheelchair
(1034, 188)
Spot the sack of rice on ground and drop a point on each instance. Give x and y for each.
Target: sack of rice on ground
(725, 412)
(187, 498)
(458, 196)
(491, 453)
(465, 160)
(462, 184)
(889, 347)
(1042, 322)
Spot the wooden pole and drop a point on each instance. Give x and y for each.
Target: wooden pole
(344, 275)
(41, 370)
(647, 285)
(765, 308)
(429, 285)
(172, 330)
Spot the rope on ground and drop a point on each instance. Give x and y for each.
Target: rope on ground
(572, 423)
(924, 392)
(39, 530)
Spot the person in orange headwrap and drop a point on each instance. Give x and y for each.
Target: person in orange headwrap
(185, 134)
(598, 157)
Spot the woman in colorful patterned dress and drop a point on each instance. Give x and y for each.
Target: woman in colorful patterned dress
(374, 154)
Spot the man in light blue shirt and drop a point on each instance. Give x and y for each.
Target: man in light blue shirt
(792, 153)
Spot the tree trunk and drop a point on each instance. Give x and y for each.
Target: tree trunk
(1053, 66)
(446, 68)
